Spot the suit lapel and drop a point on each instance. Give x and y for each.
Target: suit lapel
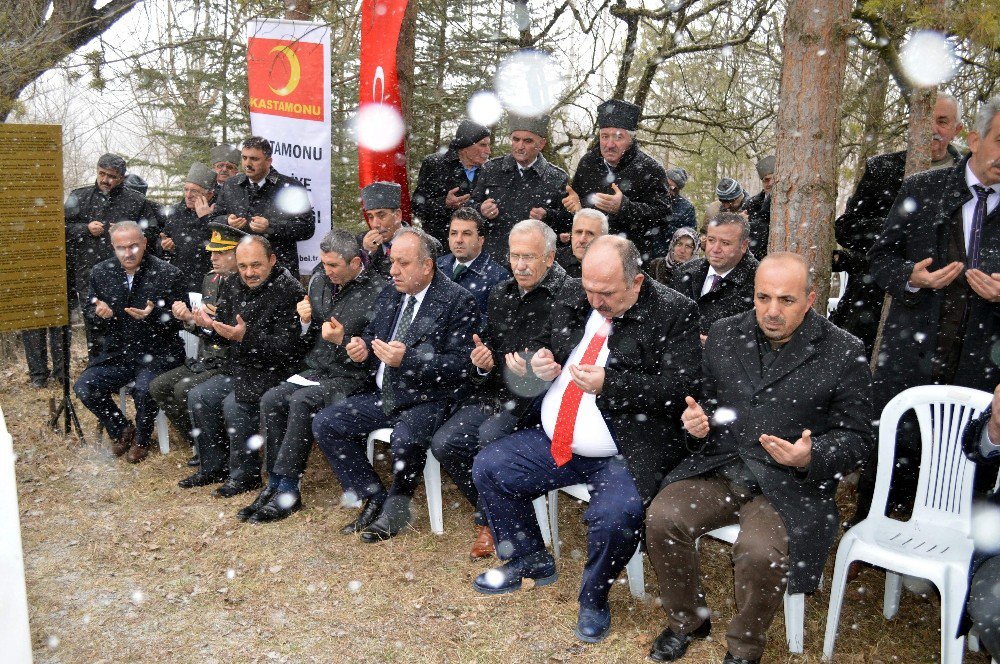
(799, 349)
(426, 315)
(748, 355)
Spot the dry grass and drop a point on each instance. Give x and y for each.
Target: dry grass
(123, 566)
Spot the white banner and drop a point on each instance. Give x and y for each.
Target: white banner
(15, 638)
(288, 65)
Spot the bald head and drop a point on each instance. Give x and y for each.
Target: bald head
(783, 295)
(611, 275)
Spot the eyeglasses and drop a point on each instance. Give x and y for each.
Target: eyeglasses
(527, 258)
(129, 250)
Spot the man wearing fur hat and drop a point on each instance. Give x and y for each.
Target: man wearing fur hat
(225, 160)
(186, 230)
(622, 181)
(381, 203)
(447, 178)
(521, 185)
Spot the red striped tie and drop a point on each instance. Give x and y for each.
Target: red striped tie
(562, 437)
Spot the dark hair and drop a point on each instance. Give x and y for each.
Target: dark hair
(259, 143)
(261, 240)
(732, 219)
(470, 214)
(340, 242)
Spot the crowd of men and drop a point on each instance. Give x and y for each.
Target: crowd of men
(698, 392)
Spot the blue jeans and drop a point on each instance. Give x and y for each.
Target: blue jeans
(342, 431)
(97, 388)
(516, 469)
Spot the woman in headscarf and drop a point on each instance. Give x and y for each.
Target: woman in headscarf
(683, 247)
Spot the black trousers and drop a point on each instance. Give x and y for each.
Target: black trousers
(286, 413)
(37, 355)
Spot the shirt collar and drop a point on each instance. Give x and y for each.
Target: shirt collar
(722, 275)
(528, 167)
(971, 180)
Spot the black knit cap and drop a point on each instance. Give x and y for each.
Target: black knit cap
(618, 114)
(468, 133)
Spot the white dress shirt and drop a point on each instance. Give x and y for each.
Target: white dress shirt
(988, 448)
(419, 297)
(707, 286)
(969, 209)
(591, 436)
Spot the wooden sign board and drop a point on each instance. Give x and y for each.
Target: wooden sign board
(32, 228)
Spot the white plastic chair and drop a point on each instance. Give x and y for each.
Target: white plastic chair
(432, 487)
(162, 430)
(633, 570)
(934, 544)
(795, 605)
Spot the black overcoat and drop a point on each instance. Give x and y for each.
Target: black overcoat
(733, 296)
(439, 173)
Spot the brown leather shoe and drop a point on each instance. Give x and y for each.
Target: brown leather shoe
(124, 442)
(483, 546)
(137, 453)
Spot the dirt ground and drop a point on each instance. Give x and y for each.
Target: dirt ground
(123, 566)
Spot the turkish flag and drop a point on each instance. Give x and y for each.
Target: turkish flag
(380, 24)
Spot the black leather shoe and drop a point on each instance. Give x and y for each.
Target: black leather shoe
(201, 479)
(233, 487)
(540, 566)
(252, 508)
(281, 506)
(733, 659)
(593, 624)
(194, 461)
(380, 530)
(670, 646)
(369, 512)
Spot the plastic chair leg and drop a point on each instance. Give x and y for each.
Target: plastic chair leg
(553, 499)
(972, 641)
(837, 586)
(953, 594)
(636, 579)
(795, 619)
(893, 589)
(542, 515)
(432, 487)
(162, 432)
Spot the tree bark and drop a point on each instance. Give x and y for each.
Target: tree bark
(298, 10)
(808, 132)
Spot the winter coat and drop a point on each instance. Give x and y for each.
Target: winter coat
(569, 261)
(734, 295)
(190, 234)
(283, 201)
(758, 209)
(514, 320)
(681, 214)
(910, 353)
(436, 364)
(152, 342)
(479, 279)
(819, 381)
(439, 173)
(269, 351)
(351, 304)
(645, 212)
(544, 186)
(87, 204)
(987, 467)
(860, 308)
(653, 363)
(211, 355)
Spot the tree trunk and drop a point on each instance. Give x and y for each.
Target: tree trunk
(876, 87)
(298, 10)
(808, 132)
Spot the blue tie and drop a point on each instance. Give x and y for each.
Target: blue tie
(978, 217)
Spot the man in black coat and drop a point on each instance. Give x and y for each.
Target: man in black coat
(521, 185)
(860, 308)
(381, 201)
(447, 178)
(417, 351)
(784, 412)
(721, 282)
(225, 161)
(262, 201)
(588, 225)
(256, 318)
(186, 229)
(337, 306)
(981, 442)
(758, 209)
(939, 258)
(128, 303)
(622, 181)
(518, 308)
(621, 351)
(90, 211)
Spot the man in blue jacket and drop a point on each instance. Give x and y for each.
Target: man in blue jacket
(467, 264)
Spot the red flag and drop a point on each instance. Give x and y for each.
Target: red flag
(380, 24)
